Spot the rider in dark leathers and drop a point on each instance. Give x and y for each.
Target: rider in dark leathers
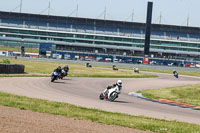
(66, 68)
(175, 73)
(65, 72)
(58, 70)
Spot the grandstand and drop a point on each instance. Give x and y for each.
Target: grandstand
(99, 37)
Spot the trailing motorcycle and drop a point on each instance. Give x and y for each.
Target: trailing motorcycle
(62, 74)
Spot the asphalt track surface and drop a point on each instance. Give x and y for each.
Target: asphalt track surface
(85, 92)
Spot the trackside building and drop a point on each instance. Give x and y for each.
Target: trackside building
(94, 37)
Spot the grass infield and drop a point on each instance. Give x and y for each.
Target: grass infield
(189, 94)
(39, 68)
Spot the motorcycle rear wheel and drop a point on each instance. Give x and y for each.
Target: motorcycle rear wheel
(101, 97)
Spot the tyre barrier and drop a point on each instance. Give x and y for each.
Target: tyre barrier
(11, 68)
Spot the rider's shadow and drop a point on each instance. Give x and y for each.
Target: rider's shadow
(66, 79)
(59, 82)
(121, 101)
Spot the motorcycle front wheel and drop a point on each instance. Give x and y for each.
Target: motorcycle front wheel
(53, 78)
(113, 96)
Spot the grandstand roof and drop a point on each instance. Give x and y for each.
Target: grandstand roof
(96, 22)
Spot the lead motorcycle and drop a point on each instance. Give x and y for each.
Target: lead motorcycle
(54, 76)
(110, 94)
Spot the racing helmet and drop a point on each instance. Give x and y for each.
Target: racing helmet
(119, 82)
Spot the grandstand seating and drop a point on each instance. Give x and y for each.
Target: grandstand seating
(98, 29)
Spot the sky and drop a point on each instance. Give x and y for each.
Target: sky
(172, 12)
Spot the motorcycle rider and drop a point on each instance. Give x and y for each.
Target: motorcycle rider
(136, 70)
(58, 70)
(65, 72)
(175, 73)
(117, 84)
(66, 68)
(114, 66)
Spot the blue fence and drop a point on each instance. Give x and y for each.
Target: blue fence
(121, 59)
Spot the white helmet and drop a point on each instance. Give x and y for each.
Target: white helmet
(119, 82)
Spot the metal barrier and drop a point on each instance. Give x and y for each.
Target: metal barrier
(11, 68)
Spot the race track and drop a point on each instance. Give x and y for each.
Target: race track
(85, 92)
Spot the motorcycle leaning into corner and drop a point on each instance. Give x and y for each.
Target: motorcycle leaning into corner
(63, 74)
(114, 67)
(136, 70)
(175, 74)
(59, 73)
(54, 76)
(111, 92)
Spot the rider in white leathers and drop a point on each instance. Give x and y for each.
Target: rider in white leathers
(118, 84)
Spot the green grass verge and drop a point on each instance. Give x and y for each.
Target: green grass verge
(76, 70)
(57, 108)
(189, 94)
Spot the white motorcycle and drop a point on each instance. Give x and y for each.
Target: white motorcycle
(136, 70)
(110, 94)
